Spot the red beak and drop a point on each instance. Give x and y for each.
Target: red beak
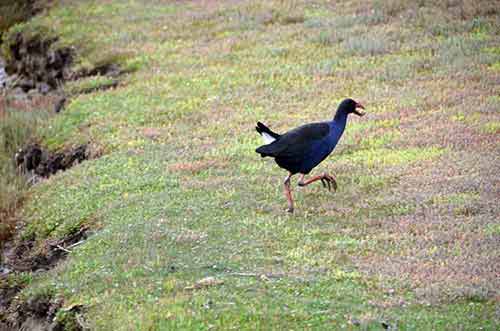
(359, 113)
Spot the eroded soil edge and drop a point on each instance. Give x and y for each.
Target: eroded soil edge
(36, 67)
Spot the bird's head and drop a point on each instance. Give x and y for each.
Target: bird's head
(350, 106)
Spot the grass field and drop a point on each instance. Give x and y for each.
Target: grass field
(410, 241)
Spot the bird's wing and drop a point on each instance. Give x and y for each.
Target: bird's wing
(296, 142)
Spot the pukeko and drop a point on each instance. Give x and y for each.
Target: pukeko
(303, 148)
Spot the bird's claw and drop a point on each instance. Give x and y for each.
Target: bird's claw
(330, 180)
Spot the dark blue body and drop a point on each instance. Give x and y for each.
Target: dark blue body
(317, 150)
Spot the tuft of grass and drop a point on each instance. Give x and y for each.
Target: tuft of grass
(89, 84)
(459, 51)
(17, 128)
(457, 199)
(391, 8)
(492, 127)
(276, 12)
(367, 45)
(330, 38)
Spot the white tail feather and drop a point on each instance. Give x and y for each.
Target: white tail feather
(267, 138)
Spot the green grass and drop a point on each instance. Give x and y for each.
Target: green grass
(180, 195)
(492, 127)
(15, 11)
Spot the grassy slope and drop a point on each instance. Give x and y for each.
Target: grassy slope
(411, 237)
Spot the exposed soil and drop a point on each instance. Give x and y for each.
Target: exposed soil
(34, 159)
(21, 256)
(24, 255)
(60, 104)
(37, 313)
(33, 62)
(105, 69)
(7, 295)
(35, 67)
(102, 87)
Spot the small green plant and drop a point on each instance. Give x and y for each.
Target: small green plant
(330, 38)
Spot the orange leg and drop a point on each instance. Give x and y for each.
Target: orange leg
(325, 178)
(288, 193)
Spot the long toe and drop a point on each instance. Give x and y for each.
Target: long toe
(334, 182)
(328, 183)
(323, 182)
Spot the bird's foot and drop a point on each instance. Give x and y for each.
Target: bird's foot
(289, 210)
(328, 180)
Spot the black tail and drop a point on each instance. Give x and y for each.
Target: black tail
(261, 128)
(269, 137)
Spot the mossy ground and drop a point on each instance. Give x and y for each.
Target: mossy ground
(410, 238)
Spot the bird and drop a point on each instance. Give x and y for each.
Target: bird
(301, 149)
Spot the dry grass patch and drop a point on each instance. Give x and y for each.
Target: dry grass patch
(437, 263)
(465, 9)
(369, 45)
(443, 250)
(189, 237)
